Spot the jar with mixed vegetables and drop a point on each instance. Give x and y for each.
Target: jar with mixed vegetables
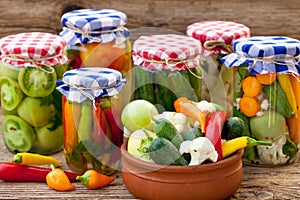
(216, 39)
(93, 132)
(98, 38)
(31, 107)
(266, 96)
(166, 67)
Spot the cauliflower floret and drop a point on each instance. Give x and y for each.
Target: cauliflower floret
(273, 154)
(205, 106)
(178, 120)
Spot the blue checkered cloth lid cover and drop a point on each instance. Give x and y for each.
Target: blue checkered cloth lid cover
(82, 83)
(265, 54)
(94, 25)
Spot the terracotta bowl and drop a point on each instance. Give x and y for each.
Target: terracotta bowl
(211, 181)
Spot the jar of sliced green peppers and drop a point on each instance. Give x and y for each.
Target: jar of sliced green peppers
(31, 107)
(93, 131)
(166, 67)
(216, 39)
(266, 71)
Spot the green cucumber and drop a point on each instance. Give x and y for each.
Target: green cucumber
(165, 129)
(239, 114)
(163, 152)
(18, 135)
(11, 93)
(192, 133)
(144, 84)
(278, 98)
(86, 121)
(37, 82)
(195, 77)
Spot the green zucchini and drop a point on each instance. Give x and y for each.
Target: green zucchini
(163, 152)
(278, 98)
(165, 129)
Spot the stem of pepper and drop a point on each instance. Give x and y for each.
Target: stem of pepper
(252, 142)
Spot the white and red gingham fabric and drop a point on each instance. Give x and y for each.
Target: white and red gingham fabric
(167, 51)
(223, 31)
(33, 49)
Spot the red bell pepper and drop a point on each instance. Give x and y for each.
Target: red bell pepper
(213, 130)
(14, 172)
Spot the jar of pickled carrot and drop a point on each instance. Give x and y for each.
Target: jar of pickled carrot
(31, 63)
(98, 38)
(166, 68)
(93, 131)
(216, 39)
(267, 96)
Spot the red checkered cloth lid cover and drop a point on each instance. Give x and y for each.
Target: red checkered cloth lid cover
(223, 31)
(33, 49)
(166, 51)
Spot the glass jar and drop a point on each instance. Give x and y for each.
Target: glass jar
(31, 107)
(267, 96)
(216, 39)
(98, 38)
(166, 67)
(93, 131)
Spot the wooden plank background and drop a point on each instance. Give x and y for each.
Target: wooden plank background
(276, 17)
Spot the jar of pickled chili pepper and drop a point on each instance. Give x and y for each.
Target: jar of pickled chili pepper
(166, 68)
(267, 96)
(98, 38)
(93, 131)
(31, 107)
(216, 39)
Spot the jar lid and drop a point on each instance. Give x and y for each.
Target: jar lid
(265, 54)
(208, 32)
(94, 25)
(33, 49)
(82, 83)
(169, 51)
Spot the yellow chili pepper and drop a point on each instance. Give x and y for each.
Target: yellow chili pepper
(34, 159)
(285, 83)
(235, 144)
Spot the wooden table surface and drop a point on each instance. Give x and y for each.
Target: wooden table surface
(257, 184)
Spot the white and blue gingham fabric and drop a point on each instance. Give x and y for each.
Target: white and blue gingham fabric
(82, 83)
(265, 54)
(94, 25)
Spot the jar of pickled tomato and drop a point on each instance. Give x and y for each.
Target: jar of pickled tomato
(31, 63)
(98, 38)
(93, 131)
(216, 39)
(266, 96)
(166, 68)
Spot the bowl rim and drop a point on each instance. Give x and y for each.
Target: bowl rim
(206, 167)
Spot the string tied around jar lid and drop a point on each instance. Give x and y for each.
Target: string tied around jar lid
(212, 44)
(88, 34)
(82, 90)
(173, 62)
(33, 61)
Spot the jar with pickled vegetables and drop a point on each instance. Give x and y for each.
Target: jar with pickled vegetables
(216, 39)
(166, 67)
(93, 131)
(31, 107)
(98, 38)
(267, 96)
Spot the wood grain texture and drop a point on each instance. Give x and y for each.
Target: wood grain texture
(275, 17)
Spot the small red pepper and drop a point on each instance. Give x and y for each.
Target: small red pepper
(213, 130)
(14, 172)
(100, 126)
(114, 119)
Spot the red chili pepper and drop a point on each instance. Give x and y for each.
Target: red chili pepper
(14, 172)
(114, 119)
(100, 126)
(75, 61)
(213, 130)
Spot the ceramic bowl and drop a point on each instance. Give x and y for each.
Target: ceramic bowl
(210, 181)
